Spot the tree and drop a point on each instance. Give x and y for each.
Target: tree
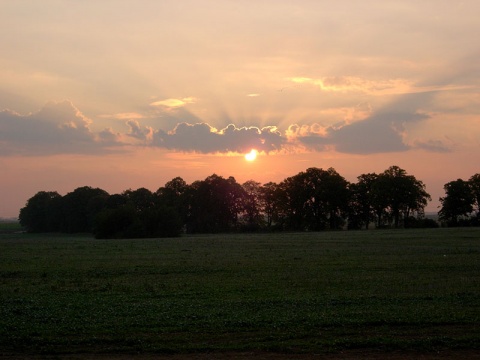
(290, 198)
(139, 214)
(269, 202)
(335, 195)
(315, 199)
(327, 198)
(161, 221)
(474, 182)
(174, 196)
(361, 208)
(400, 194)
(457, 202)
(117, 223)
(252, 205)
(214, 205)
(380, 200)
(416, 199)
(115, 201)
(141, 199)
(80, 207)
(42, 212)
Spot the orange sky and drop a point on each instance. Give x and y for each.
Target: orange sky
(129, 94)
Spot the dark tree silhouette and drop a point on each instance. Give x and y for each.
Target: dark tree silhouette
(174, 196)
(458, 202)
(290, 198)
(269, 203)
(137, 214)
(42, 213)
(214, 205)
(141, 199)
(117, 223)
(400, 193)
(252, 206)
(361, 209)
(313, 200)
(327, 197)
(474, 182)
(80, 207)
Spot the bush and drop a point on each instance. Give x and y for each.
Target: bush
(127, 223)
(114, 223)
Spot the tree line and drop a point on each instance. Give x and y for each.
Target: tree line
(312, 200)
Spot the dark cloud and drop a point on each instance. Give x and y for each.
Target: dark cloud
(56, 129)
(380, 133)
(203, 138)
(377, 134)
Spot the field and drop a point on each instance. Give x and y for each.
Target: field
(379, 291)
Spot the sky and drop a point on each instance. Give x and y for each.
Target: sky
(123, 94)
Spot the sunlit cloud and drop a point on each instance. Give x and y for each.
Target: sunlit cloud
(123, 116)
(295, 131)
(204, 138)
(345, 84)
(253, 95)
(174, 103)
(356, 84)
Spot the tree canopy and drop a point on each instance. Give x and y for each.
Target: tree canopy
(460, 205)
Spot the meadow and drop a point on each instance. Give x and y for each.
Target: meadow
(389, 290)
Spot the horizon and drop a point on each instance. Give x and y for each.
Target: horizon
(123, 95)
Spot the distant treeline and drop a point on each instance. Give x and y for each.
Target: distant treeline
(312, 200)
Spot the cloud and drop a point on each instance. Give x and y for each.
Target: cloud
(373, 135)
(137, 132)
(123, 116)
(174, 103)
(357, 84)
(204, 138)
(383, 132)
(432, 146)
(346, 84)
(108, 138)
(380, 132)
(59, 127)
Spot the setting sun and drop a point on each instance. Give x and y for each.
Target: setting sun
(252, 155)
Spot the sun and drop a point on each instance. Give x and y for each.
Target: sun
(252, 155)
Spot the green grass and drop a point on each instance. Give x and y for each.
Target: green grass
(306, 292)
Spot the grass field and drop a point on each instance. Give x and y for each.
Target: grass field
(292, 293)
(9, 226)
